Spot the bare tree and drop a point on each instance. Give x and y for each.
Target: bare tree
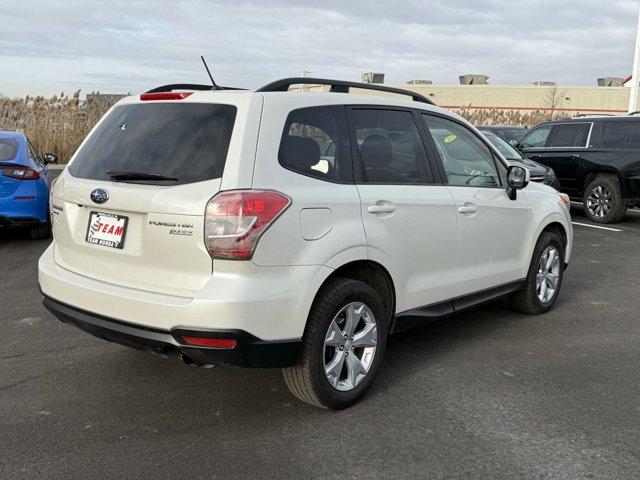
(554, 100)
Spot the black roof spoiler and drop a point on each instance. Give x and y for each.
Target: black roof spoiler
(339, 86)
(189, 86)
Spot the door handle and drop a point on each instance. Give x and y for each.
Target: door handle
(574, 156)
(468, 208)
(381, 209)
(535, 157)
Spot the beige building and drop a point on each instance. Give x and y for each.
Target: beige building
(525, 98)
(568, 100)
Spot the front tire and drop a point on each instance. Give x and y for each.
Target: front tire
(343, 346)
(544, 277)
(603, 201)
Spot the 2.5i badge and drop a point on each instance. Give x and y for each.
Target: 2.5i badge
(106, 229)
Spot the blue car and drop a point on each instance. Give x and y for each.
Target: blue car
(24, 185)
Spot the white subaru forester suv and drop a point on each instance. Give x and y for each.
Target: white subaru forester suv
(296, 230)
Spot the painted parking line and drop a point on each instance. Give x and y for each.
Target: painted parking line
(598, 227)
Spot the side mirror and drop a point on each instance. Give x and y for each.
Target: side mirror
(49, 158)
(517, 179)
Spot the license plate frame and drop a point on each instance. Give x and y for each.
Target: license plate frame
(109, 236)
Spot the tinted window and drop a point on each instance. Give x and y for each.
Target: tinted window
(466, 159)
(570, 135)
(8, 149)
(315, 143)
(503, 147)
(621, 134)
(510, 134)
(188, 141)
(537, 137)
(390, 147)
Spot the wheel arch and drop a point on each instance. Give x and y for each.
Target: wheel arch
(592, 174)
(373, 274)
(556, 226)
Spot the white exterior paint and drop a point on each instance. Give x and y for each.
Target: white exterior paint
(432, 250)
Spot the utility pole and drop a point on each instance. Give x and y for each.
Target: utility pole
(635, 76)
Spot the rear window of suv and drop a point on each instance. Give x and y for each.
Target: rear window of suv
(188, 141)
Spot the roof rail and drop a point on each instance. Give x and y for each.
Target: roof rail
(189, 86)
(588, 115)
(339, 86)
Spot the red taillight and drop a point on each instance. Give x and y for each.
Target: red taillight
(234, 221)
(226, 343)
(20, 173)
(165, 96)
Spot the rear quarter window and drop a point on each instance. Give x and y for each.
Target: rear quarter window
(188, 141)
(315, 143)
(621, 134)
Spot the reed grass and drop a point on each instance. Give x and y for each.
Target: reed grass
(60, 123)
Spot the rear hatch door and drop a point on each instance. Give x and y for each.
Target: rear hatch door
(129, 210)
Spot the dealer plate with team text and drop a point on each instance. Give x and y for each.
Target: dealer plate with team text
(106, 229)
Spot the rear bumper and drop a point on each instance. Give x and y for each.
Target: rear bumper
(249, 351)
(269, 303)
(26, 205)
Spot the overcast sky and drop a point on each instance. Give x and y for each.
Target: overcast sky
(118, 46)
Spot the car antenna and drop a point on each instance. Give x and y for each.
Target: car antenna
(213, 83)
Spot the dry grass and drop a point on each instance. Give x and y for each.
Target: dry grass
(60, 123)
(495, 116)
(57, 124)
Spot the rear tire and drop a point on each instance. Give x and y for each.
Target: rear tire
(332, 372)
(41, 231)
(603, 201)
(543, 270)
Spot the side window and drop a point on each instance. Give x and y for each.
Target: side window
(570, 135)
(536, 138)
(32, 153)
(390, 147)
(315, 143)
(621, 134)
(466, 159)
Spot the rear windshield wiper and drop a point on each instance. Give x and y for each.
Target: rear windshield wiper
(131, 175)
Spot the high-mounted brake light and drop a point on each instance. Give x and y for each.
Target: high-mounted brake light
(235, 220)
(20, 173)
(224, 343)
(165, 96)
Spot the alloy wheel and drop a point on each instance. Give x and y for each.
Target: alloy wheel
(350, 346)
(548, 274)
(599, 201)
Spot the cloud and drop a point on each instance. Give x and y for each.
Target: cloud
(122, 46)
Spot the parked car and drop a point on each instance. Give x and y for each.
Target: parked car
(539, 173)
(597, 161)
(213, 225)
(509, 133)
(24, 186)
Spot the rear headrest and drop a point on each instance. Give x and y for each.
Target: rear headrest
(301, 153)
(376, 152)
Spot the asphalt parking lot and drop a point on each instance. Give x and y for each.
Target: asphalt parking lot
(487, 394)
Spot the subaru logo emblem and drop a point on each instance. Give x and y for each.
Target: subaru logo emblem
(99, 195)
